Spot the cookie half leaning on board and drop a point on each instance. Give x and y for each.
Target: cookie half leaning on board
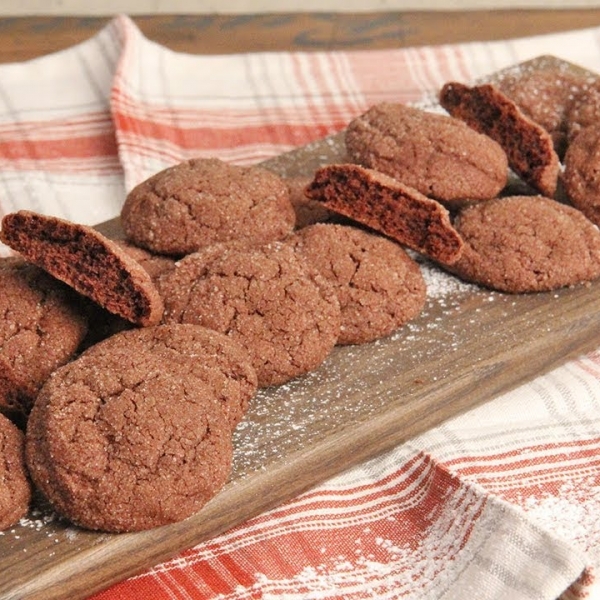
(86, 260)
(528, 146)
(386, 205)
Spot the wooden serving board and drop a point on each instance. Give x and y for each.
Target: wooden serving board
(467, 346)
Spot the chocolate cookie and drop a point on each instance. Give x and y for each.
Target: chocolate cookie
(15, 487)
(87, 261)
(580, 175)
(378, 285)
(42, 324)
(435, 154)
(266, 299)
(529, 147)
(199, 202)
(584, 110)
(527, 244)
(123, 441)
(392, 208)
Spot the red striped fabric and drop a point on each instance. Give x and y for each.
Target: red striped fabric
(497, 503)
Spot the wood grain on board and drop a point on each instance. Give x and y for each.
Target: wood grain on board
(468, 346)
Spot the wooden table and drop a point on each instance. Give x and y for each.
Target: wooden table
(22, 38)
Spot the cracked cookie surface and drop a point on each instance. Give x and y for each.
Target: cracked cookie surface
(15, 487)
(42, 323)
(266, 299)
(437, 155)
(511, 245)
(379, 286)
(214, 358)
(204, 201)
(122, 441)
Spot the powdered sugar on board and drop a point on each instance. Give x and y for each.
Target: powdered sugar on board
(302, 411)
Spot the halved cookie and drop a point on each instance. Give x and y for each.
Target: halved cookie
(388, 206)
(86, 260)
(529, 147)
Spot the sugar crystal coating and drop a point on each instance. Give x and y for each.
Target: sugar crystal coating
(435, 154)
(511, 245)
(379, 286)
(200, 202)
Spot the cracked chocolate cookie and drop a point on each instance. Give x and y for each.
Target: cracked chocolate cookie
(42, 323)
(200, 202)
(379, 286)
(125, 438)
(86, 260)
(437, 155)
(15, 486)
(580, 176)
(266, 299)
(512, 245)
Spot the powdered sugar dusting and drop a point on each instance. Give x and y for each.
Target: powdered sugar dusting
(570, 513)
(441, 284)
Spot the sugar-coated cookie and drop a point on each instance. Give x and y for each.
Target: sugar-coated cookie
(520, 244)
(437, 155)
(200, 202)
(86, 260)
(42, 324)
(266, 299)
(125, 438)
(379, 286)
(15, 486)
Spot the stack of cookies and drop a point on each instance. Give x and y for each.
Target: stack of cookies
(126, 365)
